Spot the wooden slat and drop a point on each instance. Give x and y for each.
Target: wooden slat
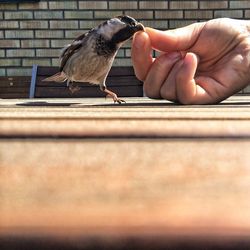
(121, 80)
(236, 108)
(125, 189)
(116, 128)
(115, 71)
(111, 81)
(14, 87)
(86, 91)
(14, 95)
(80, 119)
(20, 81)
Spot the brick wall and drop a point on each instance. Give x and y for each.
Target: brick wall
(34, 33)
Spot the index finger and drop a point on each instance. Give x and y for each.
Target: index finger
(141, 54)
(175, 40)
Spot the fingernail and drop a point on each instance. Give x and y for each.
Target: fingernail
(139, 41)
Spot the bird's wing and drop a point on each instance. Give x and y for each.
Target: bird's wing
(70, 49)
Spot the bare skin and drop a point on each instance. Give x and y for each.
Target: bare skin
(203, 63)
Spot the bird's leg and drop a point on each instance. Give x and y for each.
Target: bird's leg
(71, 87)
(68, 82)
(112, 94)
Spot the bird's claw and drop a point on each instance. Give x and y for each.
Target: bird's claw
(119, 101)
(113, 95)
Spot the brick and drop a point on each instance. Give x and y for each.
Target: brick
(55, 62)
(48, 14)
(2, 53)
(19, 71)
(201, 14)
(49, 34)
(2, 72)
(122, 62)
(20, 53)
(19, 34)
(228, 13)
(63, 24)
(60, 43)
(179, 23)
(247, 15)
(62, 5)
(48, 52)
(164, 14)
(159, 24)
(9, 43)
(247, 90)
(183, 4)
(153, 5)
(107, 14)
(8, 6)
(35, 43)
(127, 44)
(10, 62)
(146, 14)
(89, 24)
(72, 34)
(120, 53)
(124, 5)
(34, 24)
(93, 5)
(239, 4)
(40, 61)
(127, 52)
(18, 15)
(8, 25)
(42, 5)
(78, 14)
(213, 4)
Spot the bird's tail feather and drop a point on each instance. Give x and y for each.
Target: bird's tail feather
(58, 77)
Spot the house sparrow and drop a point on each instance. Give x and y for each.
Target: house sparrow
(90, 56)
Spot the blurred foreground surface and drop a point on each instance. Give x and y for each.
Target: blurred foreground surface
(87, 174)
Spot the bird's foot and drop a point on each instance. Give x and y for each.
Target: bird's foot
(73, 88)
(118, 100)
(114, 96)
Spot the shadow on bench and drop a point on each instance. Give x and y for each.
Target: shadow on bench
(121, 80)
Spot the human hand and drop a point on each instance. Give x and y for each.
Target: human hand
(202, 63)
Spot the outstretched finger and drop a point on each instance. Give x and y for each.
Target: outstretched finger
(141, 54)
(178, 39)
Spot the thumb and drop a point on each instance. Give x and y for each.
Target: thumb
(177, 39)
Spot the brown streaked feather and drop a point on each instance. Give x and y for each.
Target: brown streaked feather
(72, 48)
(68, 52)
(58, 77)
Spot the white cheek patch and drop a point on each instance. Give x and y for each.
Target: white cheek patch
(112, 27)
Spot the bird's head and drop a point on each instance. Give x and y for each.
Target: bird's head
(120, 28)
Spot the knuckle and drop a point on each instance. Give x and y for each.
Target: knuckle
(160, 63)
(151, 92)
(168, 93)
(185, 100)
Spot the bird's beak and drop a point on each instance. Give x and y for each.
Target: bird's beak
(139, 27)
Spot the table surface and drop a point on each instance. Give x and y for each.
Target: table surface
(89, 172)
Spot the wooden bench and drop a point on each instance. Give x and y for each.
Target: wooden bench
(14, 87)
(121, 80)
